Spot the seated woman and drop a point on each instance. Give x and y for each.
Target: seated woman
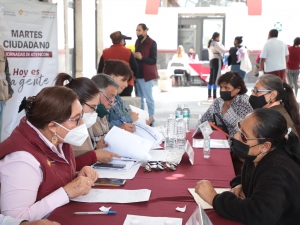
(37, 161)
(118, 114)
(270, 92)
(269, 189)
(233, 104)
(88, 94)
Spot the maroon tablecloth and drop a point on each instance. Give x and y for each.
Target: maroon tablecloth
(169, 190)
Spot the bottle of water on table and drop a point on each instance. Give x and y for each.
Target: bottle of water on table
(186, 117)
(170, 134)
(180, 128)
(178, 111)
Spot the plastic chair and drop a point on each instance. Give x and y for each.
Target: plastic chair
(179, 66)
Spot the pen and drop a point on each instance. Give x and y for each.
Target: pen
(93, 213)
(122, 121)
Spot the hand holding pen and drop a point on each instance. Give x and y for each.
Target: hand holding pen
(128, 127)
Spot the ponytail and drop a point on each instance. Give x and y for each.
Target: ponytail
(291, 106)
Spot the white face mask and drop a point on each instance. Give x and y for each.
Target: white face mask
(89, 119)
(76, 136)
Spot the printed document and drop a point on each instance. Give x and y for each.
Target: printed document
(149, 133)
(119, 174)
(147, 220)
(143, 115)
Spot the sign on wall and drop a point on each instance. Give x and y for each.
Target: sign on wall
(28, 33)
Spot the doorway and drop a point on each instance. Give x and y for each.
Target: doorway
(195, 32)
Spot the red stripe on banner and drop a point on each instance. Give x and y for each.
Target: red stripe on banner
(27, 54)
(152, 6)
(254, 7)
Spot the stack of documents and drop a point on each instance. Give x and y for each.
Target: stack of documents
(149, 133)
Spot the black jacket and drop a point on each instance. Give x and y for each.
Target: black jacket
(272, 191)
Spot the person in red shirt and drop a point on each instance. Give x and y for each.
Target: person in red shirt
(293, 64)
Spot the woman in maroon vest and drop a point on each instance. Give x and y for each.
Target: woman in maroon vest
(37, 162)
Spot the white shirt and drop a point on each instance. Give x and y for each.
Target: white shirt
(274, 51)
(7, 220)
(21, 176)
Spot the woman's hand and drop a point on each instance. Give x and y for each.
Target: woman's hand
(89, 172)
(81, 185)
(40, 222)
(101, 144)
(238, 191)
(128, 127)
(206, 191)
(105, 156)
(134, 116)
(148, 122)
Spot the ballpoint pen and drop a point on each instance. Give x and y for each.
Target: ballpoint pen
(95, 213)
(122, 121)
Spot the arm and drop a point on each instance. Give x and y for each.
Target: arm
(262, 64)
(101, 65)
(220, 48)
(7, 220)
(10, 90)
(86, 159)
(153, 55)
(133, 65)
(19, 201)
(286, 59)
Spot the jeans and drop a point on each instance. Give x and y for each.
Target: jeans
(236, 68)
(2, 106)
(292, 78)
(144, 90)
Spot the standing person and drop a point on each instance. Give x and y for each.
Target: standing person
(146, 55)
(216, 51)
(235, 66)
(119, 51)
(293, 64)
(274, 56)
(6, 91)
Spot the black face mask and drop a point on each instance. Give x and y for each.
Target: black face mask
(226, 95)
(242, 150)
(257, 101)
(140, 37)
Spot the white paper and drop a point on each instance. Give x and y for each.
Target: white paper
(143, 115)
(149, 133)
(203, 203)
(199, 217)
(181, 209)
(115, 196)
(147, 220)
(190, 152)
(104, 209)
(159, 155)
(214, 143)
(119, 174)
(161, 129)
(127, 144)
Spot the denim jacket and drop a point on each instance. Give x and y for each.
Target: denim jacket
(117, 113)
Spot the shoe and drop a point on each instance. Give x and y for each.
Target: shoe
(210, 99)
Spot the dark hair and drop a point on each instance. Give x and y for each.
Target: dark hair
(118, 68)
(239, 39)
(85, 88)
(50, 104)
(273, 33)
(103, 81)
(214, 36)
(272, 125)
(235, 80)
(192, 48)
(284, 93)
(144, 27)
(296, 42)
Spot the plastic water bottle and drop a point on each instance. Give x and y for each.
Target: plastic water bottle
(186, 116)
(170, 139)
(178, 111)
(206, 146)
(180, 137)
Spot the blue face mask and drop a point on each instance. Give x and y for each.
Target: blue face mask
(101, 110)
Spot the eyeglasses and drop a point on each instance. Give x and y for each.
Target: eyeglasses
(78, 120)
(111, 102)
(244, 137)
(255, 91)
(93, 108)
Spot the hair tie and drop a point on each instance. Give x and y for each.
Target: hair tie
(285, 85)
(288, 131)
(27, 105)
(70, 79)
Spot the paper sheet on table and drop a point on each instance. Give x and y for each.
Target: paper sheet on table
(214, 143)
(149, 133)
(115, 196)
(143, 115)
(200, 201)
(159, 155)
(127, 144)
(147, 220)
(119, 174)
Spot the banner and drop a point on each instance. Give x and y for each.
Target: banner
(28, 33)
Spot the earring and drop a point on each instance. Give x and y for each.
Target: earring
(54, 139)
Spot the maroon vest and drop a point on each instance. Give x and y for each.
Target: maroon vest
(117, 51)
(56, 172)
(149, 71)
